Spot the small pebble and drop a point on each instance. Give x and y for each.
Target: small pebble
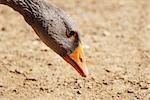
(41, 89)
(49, 64)
(105, 83)
(44, 50)
(3, 29)
(105, 33)
(130, 91)
(80, 85)
(30, 79)
(89, 86)
(137, 97)
(79, 92)
(65, 84)
(1, 86)
(144, 88)
(93, 78)
(107, 70)
(30, 70)
(51, 90)
(14, 90)
(78, 81)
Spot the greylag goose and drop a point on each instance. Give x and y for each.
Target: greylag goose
(55, 28)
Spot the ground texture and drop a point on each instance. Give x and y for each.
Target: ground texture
(116, 39)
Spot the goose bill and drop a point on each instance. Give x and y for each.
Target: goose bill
(77, 60)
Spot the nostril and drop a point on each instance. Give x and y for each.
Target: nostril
(81, 59)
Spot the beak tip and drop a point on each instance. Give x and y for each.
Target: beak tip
(85, 73)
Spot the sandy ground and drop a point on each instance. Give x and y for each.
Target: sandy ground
(116, 38)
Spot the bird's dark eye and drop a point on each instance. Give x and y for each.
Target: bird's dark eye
(70, 34)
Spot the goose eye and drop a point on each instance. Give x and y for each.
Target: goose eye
(72, 33)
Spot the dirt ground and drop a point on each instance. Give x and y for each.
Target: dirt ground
(116, 39)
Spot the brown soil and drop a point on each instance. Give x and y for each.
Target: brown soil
(116, 39)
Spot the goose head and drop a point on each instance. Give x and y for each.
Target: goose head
(67, 41)
(55, 28)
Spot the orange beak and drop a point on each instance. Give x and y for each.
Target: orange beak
(77, 60)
